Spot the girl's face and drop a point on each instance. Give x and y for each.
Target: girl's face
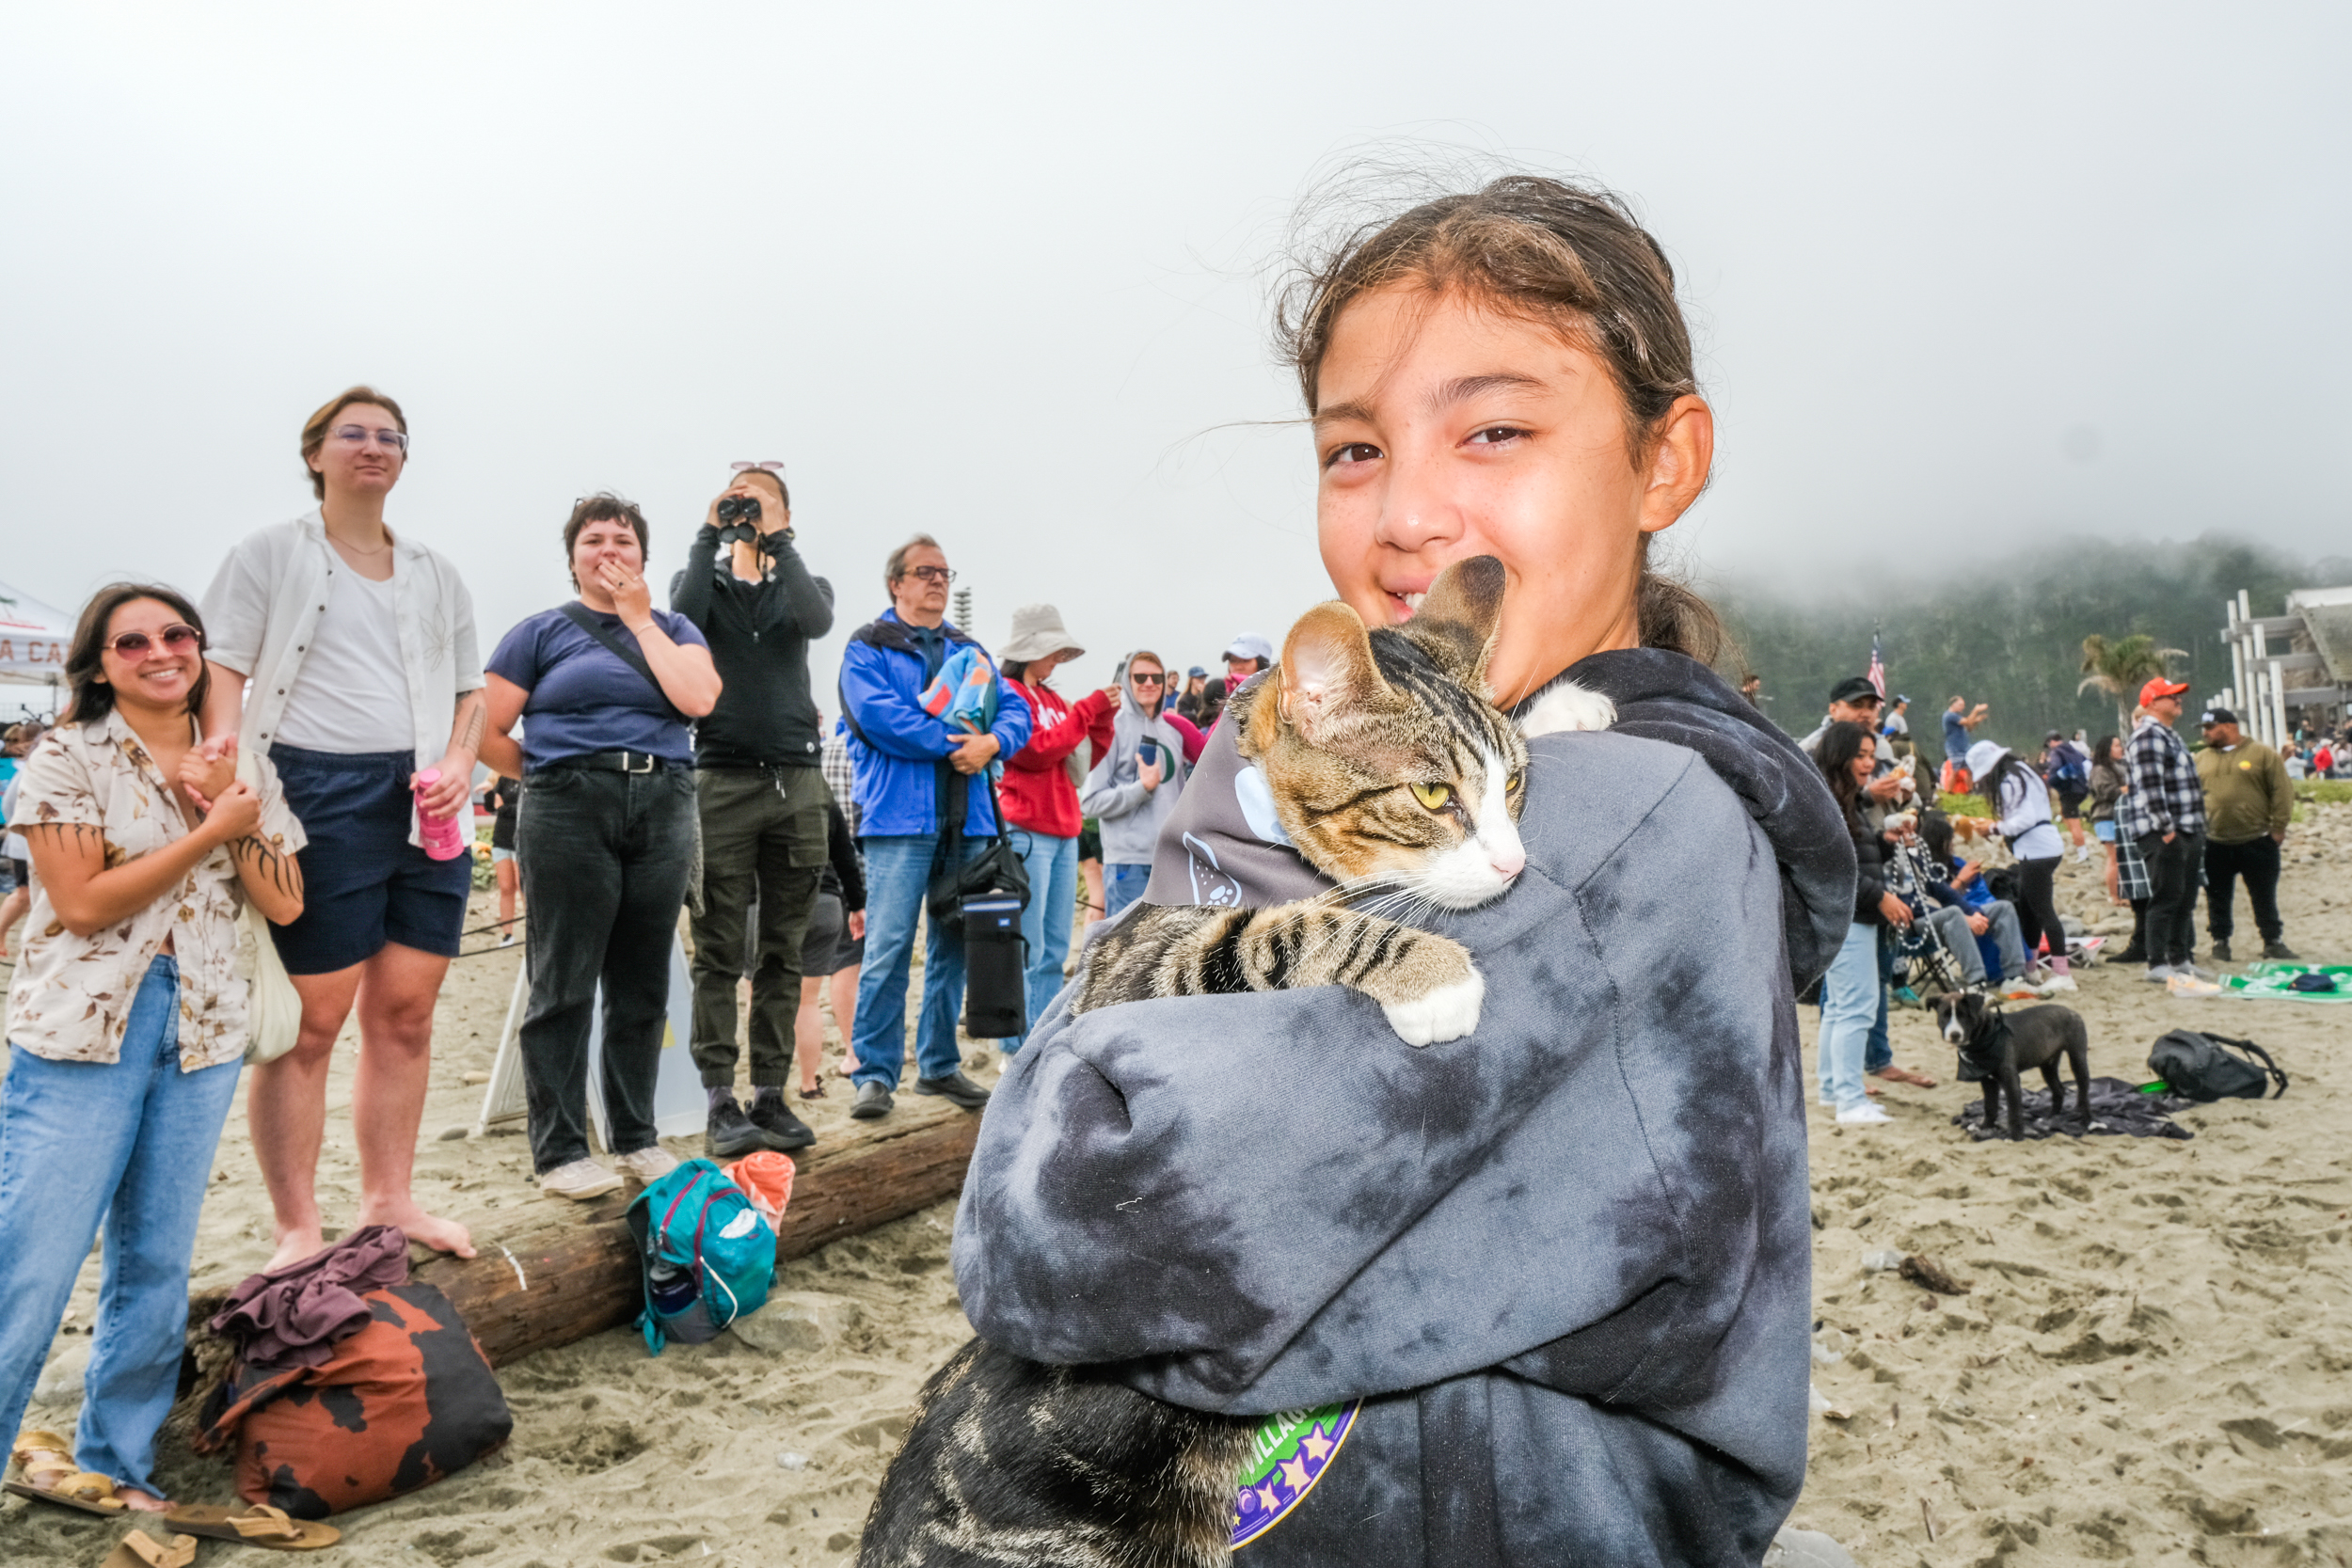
(1865, 761)
(605, 539)
(161, 674)
(1449, 429)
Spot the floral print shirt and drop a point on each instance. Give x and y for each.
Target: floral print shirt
(71, 997)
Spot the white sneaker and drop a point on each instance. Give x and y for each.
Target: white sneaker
(581, 1180)
(2158, 974)
(2186, 983)
(1864, 1115)
(647, 1164)
(2057, 983)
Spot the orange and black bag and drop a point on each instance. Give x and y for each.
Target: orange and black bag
(406, 1399)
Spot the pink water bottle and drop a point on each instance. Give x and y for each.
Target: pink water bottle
(442, 839)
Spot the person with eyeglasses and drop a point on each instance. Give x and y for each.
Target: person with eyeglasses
(1134, 788)
(126, 1019)
(760, 797)
(365, 676)
(910, 766)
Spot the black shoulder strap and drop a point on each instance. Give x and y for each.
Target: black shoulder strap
(578, 614)
(2278, 1073)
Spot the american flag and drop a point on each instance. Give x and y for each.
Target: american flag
(1877, 675)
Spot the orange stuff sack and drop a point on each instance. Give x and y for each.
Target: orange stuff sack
(406, 1399)
(765, 1178)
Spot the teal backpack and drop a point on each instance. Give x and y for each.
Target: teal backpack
(709, 1256)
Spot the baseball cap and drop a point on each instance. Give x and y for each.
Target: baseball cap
(2217, 716)
(1196, 673)
(1251, 645)
(2054, 735)
(1855, 689)
(2160, 687)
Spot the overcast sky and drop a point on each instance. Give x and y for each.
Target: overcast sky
(1962, 277)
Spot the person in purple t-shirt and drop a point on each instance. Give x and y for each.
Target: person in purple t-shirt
(606, 836)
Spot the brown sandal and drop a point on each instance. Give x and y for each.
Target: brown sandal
(58, 1481)
(139, 1549)
(257, 1526)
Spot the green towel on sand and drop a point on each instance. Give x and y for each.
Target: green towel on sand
(2271, 981)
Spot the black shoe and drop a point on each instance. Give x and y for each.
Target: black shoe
(730, 1134)
(2275, 948)
(2135, 954)
(2221, 950)
(956, 1089)
(782, 1130)
(873, 1101)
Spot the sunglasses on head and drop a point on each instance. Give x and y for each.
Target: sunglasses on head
(775, 468)
(178, 638)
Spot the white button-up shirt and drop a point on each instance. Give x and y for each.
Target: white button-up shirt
(71, 1000)
(264, 608)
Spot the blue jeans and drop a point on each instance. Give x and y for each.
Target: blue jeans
(1879, 1051)
(898, 874)
(1053, 866)
(1121, 886)
(130, 1144)
(1849, 997)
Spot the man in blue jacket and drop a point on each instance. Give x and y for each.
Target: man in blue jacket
(910, 768)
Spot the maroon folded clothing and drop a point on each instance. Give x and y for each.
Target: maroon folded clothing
(292, 1316)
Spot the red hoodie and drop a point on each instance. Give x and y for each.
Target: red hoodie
(1038, 793)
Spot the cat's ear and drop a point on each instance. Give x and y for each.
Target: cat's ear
(1327, 671)
(1456, 624)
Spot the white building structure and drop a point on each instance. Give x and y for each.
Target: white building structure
(2290, 668)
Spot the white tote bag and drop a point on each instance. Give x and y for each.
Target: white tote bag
(274, 1008)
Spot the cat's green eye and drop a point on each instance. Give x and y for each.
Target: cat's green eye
(1433, 796)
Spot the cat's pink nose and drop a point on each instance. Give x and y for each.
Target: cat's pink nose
(1508, 863)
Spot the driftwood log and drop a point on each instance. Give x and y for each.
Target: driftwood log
(557, 1272)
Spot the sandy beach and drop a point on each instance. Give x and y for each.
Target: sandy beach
(2152, 1365)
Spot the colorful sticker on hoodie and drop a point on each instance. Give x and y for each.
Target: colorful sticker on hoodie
(1287, 1456)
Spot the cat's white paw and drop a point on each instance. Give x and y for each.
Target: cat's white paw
(1569, 706)
(1447, 1013)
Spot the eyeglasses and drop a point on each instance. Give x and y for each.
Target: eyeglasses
(775, 468)
(930, 574)
(358, 436)
(1141, 679)
(178, 638)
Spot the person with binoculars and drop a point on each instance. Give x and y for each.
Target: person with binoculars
(760, 797)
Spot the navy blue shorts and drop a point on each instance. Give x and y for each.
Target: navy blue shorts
(363, 883)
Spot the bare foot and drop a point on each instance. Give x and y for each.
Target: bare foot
(431, 1229)
(141, 1502)
(293, 1246)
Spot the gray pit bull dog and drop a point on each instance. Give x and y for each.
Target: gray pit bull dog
(1997, 1046)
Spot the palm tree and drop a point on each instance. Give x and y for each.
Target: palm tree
(2121, 667)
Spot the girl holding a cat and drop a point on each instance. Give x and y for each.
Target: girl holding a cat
(1536, 1295)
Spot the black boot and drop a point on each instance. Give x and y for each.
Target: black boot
(782, 1130)
(2276, 947)
(730, 1134)
(2221, 950)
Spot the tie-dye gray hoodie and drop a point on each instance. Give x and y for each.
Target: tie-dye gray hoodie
(1535, 1296)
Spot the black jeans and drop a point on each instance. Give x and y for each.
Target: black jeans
(764, 843)
(2257, 860)
(605, 859)
(2173, 895)
(2036, 908)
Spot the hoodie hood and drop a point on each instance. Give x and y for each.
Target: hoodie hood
(1674, 698)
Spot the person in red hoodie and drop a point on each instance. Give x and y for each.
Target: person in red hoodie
(1040, 792)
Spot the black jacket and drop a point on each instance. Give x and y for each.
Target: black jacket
(759, 634)
(1869, 871)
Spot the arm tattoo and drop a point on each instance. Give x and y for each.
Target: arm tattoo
(283, 871)
(471, 714)
(80, 836)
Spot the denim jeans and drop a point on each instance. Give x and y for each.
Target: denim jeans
(1849, 998)
(1053, 866)
(1121, 886)
(1951, 925)
(1878, 1050)
(605, 860)
(130, 1144)
(898, 874)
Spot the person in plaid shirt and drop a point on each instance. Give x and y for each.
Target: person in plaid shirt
(2164, 814)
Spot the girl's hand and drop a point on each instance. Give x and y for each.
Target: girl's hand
(1897, 913)
(203, 777)
(857, 924)
(631, 596)
(236, 812)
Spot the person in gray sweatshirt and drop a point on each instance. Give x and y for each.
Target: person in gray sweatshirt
(1129, 794)
(1540, 1294)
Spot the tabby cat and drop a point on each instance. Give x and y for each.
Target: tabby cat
(1393, 774)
